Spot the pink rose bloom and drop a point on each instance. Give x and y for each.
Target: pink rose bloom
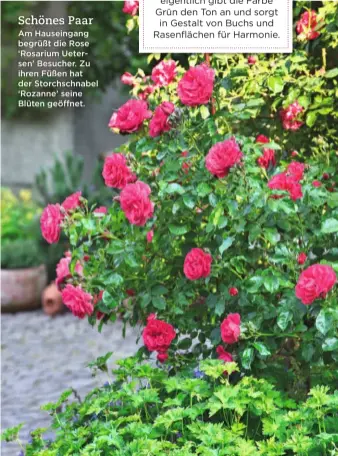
(252, 60)
(116, 173)
(127, 79)
(222, 157)
(150, 236)
(130, 116)
(288, 183)
(158, 335)
(130, 7)
(196, 86)
(185, 167)
(50, 223)
(197, 264)
(231, 329)
(306, 26)
(316, 183)
(100, 210)
(72, 202)
(224, 356)
(262, 139)
(296, 170)
(164, 72)
(135, 203)
(267, 159)
(233, 291)
(62, 271)
(160, 121)
(289, 116)
(315, 282)
(302, 257)
(79, 269)
(162, 357)
(78, 301)
(146, 92)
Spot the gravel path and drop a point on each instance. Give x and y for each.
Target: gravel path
(43, 356)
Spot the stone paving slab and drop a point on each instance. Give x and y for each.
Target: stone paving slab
(43, 356)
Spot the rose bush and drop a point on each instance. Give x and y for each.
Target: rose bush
(225, 226)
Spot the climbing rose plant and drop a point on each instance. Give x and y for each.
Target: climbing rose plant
(222, 241)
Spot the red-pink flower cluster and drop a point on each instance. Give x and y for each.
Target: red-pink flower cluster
(50, 223)
(101, 210)
(62, 270)
(224, 356)
(296, 170)
(289, 181)
(252, 60)
(130, 116)
(144, 94)
(77, 300)
(307, 25)
(130, 7)
(268, 158)
(197, 264)
(290, 116)
(164, 73)
(222, 157)
(135, 203)
(315, 282)
(231, 328)
(116, 173)
(160, 121)
(157, 336)
(150, 236)
(233, 291)
(196, 86)
(127, 79)
(302, 257)
(72, 202)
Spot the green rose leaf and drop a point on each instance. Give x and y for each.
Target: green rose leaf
(276, 84)
(324, 321)
(330, 344)
(178, 230)
(115, 280)
(185, 343)
(226, 244)
(247, 358)
(284, 319)
(330, 226)
(175, 188)
(159, 302)
(109, 301)
(331, 73)
(311, 118)
(262, 349)
(203, 189)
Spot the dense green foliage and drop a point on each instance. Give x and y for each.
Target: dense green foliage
(146, 412)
